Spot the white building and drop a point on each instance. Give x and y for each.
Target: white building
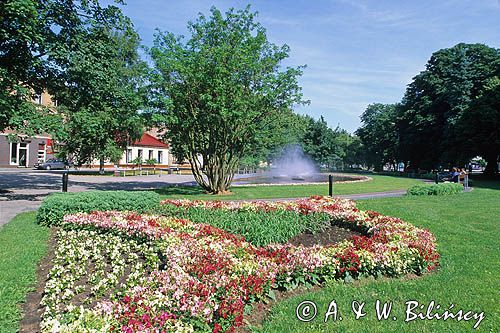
(147, 148)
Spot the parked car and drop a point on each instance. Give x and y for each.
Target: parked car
(445, 176)
(53, 164)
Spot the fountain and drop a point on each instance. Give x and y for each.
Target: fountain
(293, 166)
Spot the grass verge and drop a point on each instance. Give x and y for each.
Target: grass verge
(22, 244)
(466, 227)
(378, 184)
(258, 227)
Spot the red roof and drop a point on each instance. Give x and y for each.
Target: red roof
(147, 140)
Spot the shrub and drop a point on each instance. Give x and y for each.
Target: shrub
(54, 207)
(435, 189)
(258, 227)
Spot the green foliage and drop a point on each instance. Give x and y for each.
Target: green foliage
(151, 161)
(22, 244)
(258, 228)
(54, 207)
(328, 147)
(214, 91)
(355, 152)
(378, 134)
(276, 132)
(137, 161)
(319, 142)
(480, 126)
(435, 189)
(36, 38)
(445, 115)
(101, 94)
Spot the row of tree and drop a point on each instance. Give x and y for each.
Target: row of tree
(329, 148)
(222, 95)
(86, 56)
(449, 114)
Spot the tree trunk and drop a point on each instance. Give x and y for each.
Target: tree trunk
(219, 171)
(492, 165)
(101, 166)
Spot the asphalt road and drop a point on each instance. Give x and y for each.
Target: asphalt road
(23, 189)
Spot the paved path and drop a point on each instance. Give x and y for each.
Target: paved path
(23, 190)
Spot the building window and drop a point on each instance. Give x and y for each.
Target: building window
(13, 153)
(160, 157)
(129, 156)
(139, 153)
(151, 154)
(19, 154)
(41, 153)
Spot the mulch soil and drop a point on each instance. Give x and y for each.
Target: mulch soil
(32, 310)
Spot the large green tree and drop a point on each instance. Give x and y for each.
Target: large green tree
(355, 153)
(435, 101)
(480, 126)
(320, 142)
(101, 94)
(217, 89)
(278, 131)
(379, 136)
(36, 37)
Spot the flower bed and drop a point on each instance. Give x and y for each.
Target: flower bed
(202, 277)
(259, 227)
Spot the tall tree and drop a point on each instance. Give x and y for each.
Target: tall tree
(479, 127)
(437, 98)
(355, 152)
(217, 89)
(36, 37)
(279, 131)
(320, 143)
(378, 134)
(101, 94)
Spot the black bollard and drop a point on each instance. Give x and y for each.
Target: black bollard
(65, 182)
(330, 185)
(437, 178)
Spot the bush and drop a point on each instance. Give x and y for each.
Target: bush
(258, 227)
(54, 207)
(435, 189)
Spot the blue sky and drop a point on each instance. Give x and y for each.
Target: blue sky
(356, 52)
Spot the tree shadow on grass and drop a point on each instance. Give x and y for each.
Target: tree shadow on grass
(488, 184)
(180, 190)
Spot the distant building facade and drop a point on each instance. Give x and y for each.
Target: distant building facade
(21, 151)
(147, 148)
(18, 150)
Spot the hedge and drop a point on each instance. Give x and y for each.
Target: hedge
(435, 189)
(54, 207)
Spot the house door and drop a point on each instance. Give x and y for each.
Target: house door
(23, 154)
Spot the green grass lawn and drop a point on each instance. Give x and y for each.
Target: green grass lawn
(467, 230)
(466, 227)
(378, 184)
(22, 244)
